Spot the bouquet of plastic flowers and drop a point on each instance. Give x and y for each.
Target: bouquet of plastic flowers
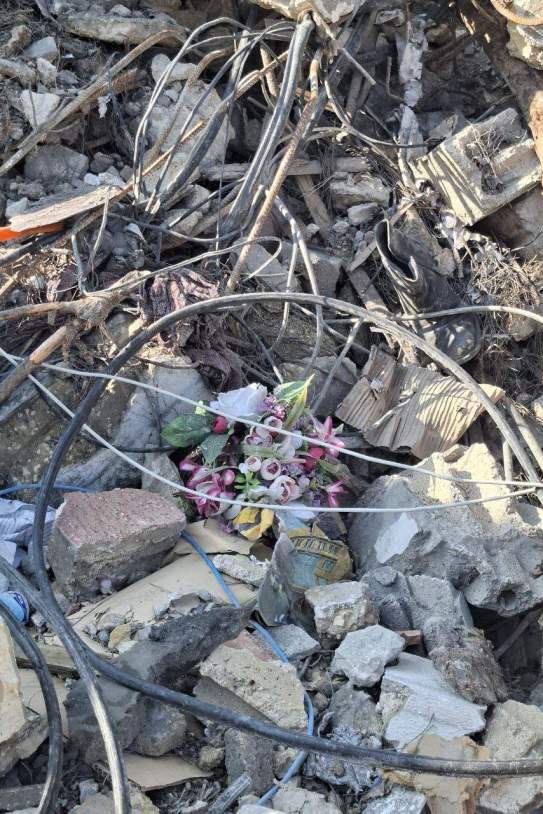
(272, 463)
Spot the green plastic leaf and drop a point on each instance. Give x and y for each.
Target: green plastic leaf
(213, 445)
(293, 391)
(188, 430)
(294, 395)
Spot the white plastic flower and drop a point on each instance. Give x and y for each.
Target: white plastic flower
(247, 402)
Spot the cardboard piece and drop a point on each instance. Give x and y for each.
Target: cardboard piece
(185, 576)
(407, 407)
(213, 540)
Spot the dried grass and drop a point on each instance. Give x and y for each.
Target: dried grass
(502, 279)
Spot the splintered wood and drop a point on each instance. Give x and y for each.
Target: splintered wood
(407, 407)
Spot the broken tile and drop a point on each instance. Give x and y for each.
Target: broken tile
(415, 699)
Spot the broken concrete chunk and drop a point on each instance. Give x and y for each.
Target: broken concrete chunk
(166, 124)
(15, 69)
(103, 804)
(354, 720)
(483, 167)
(261, 266)
(12, 711)
(21, 732)
(466, 661)
(349, 193)
(330, 10)
(174, 648)
(363, 655)
(340, 608)
(327, 267)
(107, 28)
(405, 603)
(180, 71)
(446, 795)
(355, 709)
(38, 107)
(249, 671)
(514, 731)
(163, 730)
(491, 551)
(244, 569)
(525, 41)
(159, 463)
(399, 801)
(120, 535)
(46, 71)
(54, 163)
(292, 800)
(251, 808)
(362, 214)
(341, 384)
(45, 48)
(415, 699)
(139, 421)
(294, 641)
(245, 752)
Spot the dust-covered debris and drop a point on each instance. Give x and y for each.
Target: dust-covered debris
(252, 222)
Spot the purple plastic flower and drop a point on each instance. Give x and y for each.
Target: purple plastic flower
(273, 406)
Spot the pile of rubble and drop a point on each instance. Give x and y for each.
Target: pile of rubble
(226, 227)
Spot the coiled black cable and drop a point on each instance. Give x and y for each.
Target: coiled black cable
(85, 659)
(53, 779)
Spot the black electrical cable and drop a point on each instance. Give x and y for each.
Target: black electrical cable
(30, 649)
(202, 709)
(211, 130)
(46, 602)
(274, 128)
(185, 48)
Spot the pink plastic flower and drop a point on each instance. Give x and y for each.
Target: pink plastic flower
(214, 491)
(188, 465)
(220, 424)
(333, 490)
(228, 477)
(251, 464)
(283, 489)
(326, 432)
(314, 454)
(213, 504)
(199, 475)
(270, 469)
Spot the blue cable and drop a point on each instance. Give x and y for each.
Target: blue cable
(65, 487)
(299, 760)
